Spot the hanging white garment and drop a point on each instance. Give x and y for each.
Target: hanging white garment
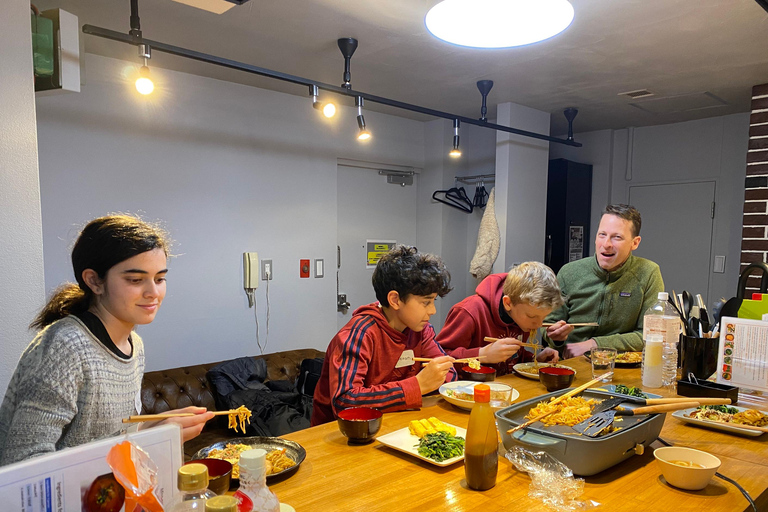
(488, 241)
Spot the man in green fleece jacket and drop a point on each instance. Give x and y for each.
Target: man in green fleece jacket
(613, 289)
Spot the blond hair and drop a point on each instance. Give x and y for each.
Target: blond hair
(533, 283)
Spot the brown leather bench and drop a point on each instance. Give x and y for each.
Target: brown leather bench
(176, 388)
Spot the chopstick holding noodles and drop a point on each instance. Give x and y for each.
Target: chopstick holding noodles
(529, 345)
(241, 415)
(585, 324)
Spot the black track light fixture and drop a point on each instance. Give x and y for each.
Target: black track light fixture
(570, 115)
(455, 152)
(328, 109)
(363, 134)
(484, 86)
(347, 45)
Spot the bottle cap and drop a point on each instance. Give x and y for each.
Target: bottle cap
(192, 477)
(663, 296)
(221, 504)
(254, 459)
(482, 393)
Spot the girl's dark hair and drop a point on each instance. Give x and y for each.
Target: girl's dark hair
(410, 272)
(103, 243)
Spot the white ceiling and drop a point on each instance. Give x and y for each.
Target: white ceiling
(699, 57)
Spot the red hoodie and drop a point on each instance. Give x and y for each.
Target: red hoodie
(360, 366)
(476, 317)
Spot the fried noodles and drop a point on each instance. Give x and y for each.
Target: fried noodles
(568, 412)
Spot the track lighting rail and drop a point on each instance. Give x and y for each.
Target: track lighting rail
(344, 91)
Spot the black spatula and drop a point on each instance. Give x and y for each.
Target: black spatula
(596, 424)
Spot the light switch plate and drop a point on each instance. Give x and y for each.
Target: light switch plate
(719, 266)
(319, 268)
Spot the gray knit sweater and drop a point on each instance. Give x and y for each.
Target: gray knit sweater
(68, 389)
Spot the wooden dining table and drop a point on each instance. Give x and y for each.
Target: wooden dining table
(337, 475)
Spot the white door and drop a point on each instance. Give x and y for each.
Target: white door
(368, 208)
(677, 232)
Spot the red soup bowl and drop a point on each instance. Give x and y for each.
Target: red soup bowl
(555, 378)
(219, 474)
(484, 374)
(359, 424)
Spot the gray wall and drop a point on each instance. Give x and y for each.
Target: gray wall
(228, 168)
(711, 149)
(21, 247)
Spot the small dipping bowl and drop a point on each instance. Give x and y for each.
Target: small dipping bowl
(359, 424)
(691, 478)
(219, 474)
(484, 374)
(555, 378)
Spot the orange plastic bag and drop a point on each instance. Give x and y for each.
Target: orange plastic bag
(137, 473)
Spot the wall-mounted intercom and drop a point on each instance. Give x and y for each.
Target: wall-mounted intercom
(250, 275)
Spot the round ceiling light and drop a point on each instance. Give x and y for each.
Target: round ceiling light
(498, 23)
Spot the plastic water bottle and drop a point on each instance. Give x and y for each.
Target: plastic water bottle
(662, 319)
(653, 361)
(192, 480)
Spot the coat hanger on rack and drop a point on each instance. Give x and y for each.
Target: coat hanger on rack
(456, 197)
(481, 196)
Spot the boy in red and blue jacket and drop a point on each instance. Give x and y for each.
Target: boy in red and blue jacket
(369, 363)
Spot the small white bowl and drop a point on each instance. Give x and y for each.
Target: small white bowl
(689, 478)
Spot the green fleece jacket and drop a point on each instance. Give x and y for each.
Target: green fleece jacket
(616, 300)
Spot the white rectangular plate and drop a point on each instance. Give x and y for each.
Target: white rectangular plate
(717, 425)
(406, 442)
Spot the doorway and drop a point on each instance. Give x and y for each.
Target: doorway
(677, 232)
(368, 208)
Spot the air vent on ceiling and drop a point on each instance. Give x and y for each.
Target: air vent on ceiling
(640, 93)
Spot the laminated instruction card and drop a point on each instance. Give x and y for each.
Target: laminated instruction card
(742, 360)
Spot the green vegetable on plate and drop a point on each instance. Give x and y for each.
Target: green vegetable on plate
(720, 408)
(441, 446)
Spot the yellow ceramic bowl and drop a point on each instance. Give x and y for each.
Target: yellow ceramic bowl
(694, 477)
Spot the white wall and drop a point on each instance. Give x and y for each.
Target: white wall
(228, 168)
(712, 149)
(21, 249)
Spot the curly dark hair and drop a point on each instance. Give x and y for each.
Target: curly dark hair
(409, 272)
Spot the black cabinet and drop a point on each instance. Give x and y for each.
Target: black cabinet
(569, 199)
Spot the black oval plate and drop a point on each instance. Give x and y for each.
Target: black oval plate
(619, 364)
(293, 451)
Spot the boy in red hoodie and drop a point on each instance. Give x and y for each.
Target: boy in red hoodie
(366, 364)
(507, 307)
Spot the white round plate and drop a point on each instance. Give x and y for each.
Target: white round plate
(526, 369)
(468, 386)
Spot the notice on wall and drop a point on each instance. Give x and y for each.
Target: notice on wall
(743, 357)
(68, 480)
(575, 243)
(375, 249)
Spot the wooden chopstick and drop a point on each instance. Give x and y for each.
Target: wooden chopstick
(531, 345)
(155, 417)
(560, 399)
(428, 359)
(585, 324)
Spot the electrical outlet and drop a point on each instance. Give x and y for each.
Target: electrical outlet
(266, 270)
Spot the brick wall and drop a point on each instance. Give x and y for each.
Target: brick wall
(754, 243)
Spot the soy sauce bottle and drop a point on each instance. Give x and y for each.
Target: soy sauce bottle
(481, 460)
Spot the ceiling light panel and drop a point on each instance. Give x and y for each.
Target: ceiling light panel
(214, 6)
(498, 23)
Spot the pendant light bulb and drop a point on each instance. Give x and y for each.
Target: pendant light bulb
(144, 83)
(328, 109)
(455, 152)
(363, 134)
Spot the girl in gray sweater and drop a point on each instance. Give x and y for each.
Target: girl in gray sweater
(82, 373)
